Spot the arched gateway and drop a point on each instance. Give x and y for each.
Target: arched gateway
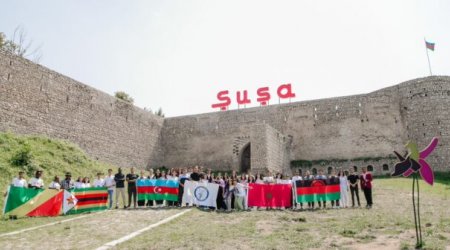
(245, 163)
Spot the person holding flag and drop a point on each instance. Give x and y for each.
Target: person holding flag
(55, 184)
(99, 182)
(18, 181)
(67, 183)
(36, 181)
(132, 192)
(110, 184)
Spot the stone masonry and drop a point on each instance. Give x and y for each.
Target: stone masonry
(358, 130)
(36, 100)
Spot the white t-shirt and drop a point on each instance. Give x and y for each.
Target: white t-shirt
(109, 182)
(86, 185)
(259, 181)
(54, 185)
(239, 190)
(296, 178)
(170, 177)
(35, 182)
(79, 184)
(19, 182)
(99, 182)
(281, 181)
(268, 179)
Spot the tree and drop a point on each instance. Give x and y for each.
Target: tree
(124, 96)
(160, 112)
(20, 45)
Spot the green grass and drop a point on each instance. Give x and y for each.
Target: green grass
(388, 225)
(405, 184)
(54, 157)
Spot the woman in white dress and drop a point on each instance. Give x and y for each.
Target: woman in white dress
(343, 183)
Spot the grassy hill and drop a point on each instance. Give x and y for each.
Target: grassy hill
(54, 157)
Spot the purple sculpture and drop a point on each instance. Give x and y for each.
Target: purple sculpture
(410, 164)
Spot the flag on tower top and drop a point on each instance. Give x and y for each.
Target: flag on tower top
(429, 45)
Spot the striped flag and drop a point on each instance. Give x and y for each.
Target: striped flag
(151, 189)
(317, 190)
(33, 202)
(89, 200)
(429, 45)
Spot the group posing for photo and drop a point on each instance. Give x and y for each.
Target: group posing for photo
(233, 188)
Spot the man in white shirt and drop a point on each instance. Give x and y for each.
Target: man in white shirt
(99, 182)
(19, 181)
(36, 181)
(110, 184)
(55, 184)
(297, 177)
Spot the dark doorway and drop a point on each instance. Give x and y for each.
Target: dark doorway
(246, 159)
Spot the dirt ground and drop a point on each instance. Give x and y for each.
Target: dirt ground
(388, 225)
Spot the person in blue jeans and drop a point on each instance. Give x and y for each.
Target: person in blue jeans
(110, 184)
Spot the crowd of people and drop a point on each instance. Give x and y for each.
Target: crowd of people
(232, 192)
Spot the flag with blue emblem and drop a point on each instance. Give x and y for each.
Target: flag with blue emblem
(200, 193)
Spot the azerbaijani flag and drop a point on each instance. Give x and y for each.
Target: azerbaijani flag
(33, 202)
(317, 190)
(429, 45)
(269, 195)
(89, 200)
(151, 189)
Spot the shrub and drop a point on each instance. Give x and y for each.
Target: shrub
(22, 157)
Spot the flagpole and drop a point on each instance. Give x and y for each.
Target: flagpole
(428, 57)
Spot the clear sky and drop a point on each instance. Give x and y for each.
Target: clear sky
(178, 54)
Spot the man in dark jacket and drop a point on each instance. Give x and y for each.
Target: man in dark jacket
(119, 178)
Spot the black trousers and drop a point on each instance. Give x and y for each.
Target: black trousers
(219, 201)
(232, 201)
(132, 194)
(180, 195)
(355, 191)
(368, 195)
(336, 202)
(141, 203)
(323, 203)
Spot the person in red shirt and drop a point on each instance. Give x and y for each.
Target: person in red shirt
(366, 186)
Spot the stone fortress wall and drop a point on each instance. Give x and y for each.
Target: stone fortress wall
(36, 100)
(338, 132)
